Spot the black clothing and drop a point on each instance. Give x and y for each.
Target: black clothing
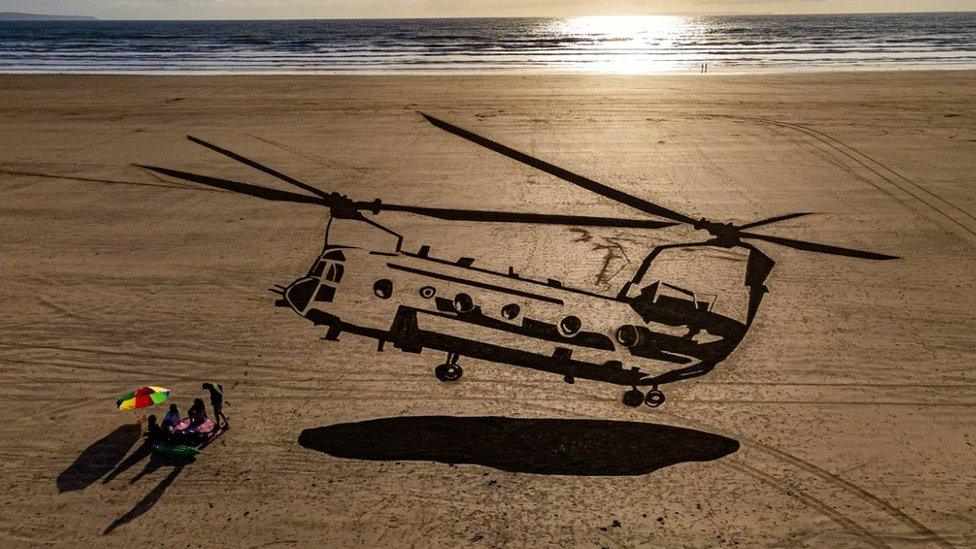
(197, 414)
(155, 434)
(216, 394)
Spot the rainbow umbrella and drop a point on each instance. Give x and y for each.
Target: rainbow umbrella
(143, 397)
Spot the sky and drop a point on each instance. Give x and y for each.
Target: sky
(314, 9)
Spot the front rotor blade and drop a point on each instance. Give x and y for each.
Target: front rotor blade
(566, 175)
(517, 217)
(237, 187)
(814, 247)
(257, 166)
(776, 219)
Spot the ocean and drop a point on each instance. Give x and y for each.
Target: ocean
(627, 45)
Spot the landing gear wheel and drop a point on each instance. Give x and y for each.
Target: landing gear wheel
(448, 372)
(654, 398)
(633, 398)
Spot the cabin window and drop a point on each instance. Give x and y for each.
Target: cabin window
(335, 273)
(428, 292)
(463, 303)
(570, 325)
(383, 288)
(628, 335)
(510, 311)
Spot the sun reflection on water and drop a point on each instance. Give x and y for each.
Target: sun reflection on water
(632, 27)
(627, 44)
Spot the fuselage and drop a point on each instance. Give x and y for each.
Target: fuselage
(415, 302)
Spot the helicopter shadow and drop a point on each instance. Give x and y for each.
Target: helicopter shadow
(546, 446)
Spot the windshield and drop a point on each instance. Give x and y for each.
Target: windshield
(330, 265)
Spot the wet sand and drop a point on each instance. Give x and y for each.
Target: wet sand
(845, 418)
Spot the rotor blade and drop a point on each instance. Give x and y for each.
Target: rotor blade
(814, 247)
(566, 175)
(242, 188)
(776, 219)
(257, 166)
(517, 217)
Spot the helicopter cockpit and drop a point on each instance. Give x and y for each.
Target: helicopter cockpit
(329, 264)
(321, 282)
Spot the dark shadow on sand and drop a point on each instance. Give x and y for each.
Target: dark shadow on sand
(150, 500)
(154, 463)
(141, 453)
(99, 458)
(540, 446)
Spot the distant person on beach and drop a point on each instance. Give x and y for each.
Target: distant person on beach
(197, 413)
(217, 403)
(172, 417)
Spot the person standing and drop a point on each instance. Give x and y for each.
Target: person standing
(217, 403)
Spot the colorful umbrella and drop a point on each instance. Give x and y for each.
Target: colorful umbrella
(143, 397)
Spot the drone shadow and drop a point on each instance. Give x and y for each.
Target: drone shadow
(546, 446)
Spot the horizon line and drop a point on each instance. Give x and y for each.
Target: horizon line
(53, 16)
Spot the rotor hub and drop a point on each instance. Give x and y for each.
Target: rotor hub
(726, 234)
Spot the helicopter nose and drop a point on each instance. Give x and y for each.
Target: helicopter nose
(299, 293)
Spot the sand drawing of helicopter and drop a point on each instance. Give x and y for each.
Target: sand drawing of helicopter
(646, 335)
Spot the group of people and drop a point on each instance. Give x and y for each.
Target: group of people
(197, 415)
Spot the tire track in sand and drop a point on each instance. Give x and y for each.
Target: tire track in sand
(832, 512)
(797, 464)
(937, 203)
(798, 478)
(923, 533)
(852, 507)
(826, 476)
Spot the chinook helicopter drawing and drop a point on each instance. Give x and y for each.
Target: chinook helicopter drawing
(648, 334)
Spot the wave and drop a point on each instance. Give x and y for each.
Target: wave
(650, 44)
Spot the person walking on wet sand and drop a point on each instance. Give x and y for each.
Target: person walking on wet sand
(217, 403)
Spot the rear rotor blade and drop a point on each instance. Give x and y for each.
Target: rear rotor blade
(517, 217)
(258, 166)
(566, 175)
(814, 247)
(776, 219)
(237, 187)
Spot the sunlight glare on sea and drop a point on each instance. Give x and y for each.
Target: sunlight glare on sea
(630, 44)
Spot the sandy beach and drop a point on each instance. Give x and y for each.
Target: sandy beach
(851, 400)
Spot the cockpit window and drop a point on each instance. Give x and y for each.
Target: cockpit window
(325, 293)
(331, 263)
(335, 273)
